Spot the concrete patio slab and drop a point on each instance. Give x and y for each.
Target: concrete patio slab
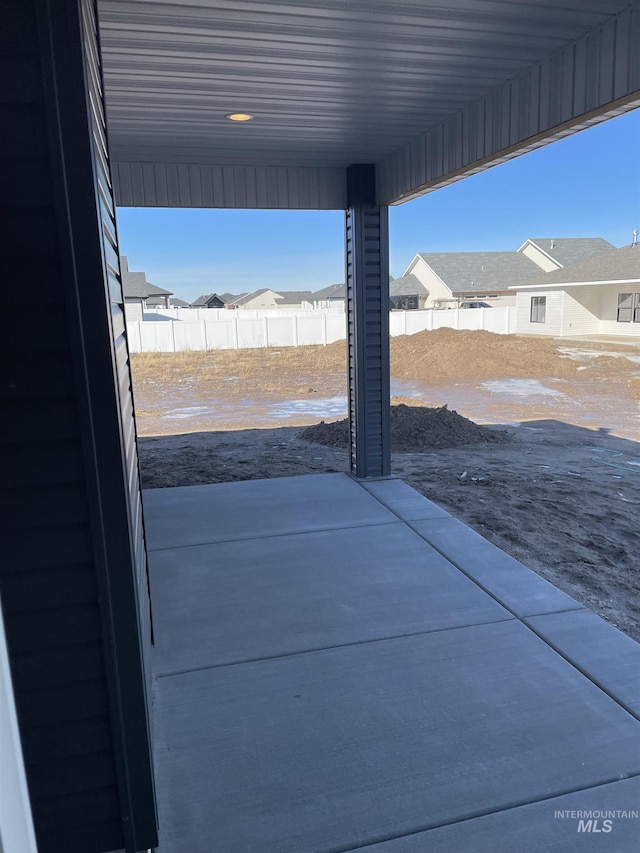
(340, 748)
(603, 653)
(222, 512)
(400, 498)
(552, 825)
(327, 680)
(228, 602)
(515, 586)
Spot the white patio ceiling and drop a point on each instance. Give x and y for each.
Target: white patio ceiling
(336, 82)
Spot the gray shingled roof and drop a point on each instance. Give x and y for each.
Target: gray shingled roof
(619, 265)
(571, 250)
(480, 271)
(333, 291)
(247, 297)
(408, 285)
(176, 302)
(135, 284)
(202, 301)
(295, 297)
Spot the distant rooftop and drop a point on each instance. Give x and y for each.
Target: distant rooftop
(408, 285)
(570, 250)
(333, 291)
(619, 265)
(481, 271)
(135, 284)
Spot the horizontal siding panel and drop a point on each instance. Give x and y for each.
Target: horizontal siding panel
(49, 547)
(63, 703)
(23, 134)
(23, 419)
(94, 806)
(119, 328)
(41, 375)
(79, 737)
(57, 503)
(37, 328)
(18, 227)
(78, 773)
(43, 270)
(47, 463)
(57, 629)
(65, 586)
(25, 183)
(82, 839)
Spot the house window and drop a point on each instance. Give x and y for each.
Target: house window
(538, 309)
(626, 306)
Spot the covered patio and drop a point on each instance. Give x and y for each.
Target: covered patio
(314, 664)
(342, 665)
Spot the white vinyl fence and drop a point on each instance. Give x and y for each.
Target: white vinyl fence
(235, 330)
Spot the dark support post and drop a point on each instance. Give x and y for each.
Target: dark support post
(367, 279)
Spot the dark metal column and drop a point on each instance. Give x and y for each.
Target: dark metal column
(367, 279)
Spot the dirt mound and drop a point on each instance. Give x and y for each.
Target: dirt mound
(413, 428)
(452, 354)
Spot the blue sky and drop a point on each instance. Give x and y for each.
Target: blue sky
(586, 185)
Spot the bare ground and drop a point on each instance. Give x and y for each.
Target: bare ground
(561, 498)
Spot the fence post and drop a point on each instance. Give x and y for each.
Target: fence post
(295, 330)
(236, 336)
(265, 325)
(204, 334)
(173, 336)
(324, 330)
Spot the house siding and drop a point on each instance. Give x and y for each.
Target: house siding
(609, 311)
(534, 254)
(49, 590)
(51, 582)
(426, 276)
(582, 307)
(554, 309)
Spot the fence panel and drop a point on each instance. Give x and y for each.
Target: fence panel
(220, 329)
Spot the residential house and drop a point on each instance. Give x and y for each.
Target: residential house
(263, 298)
(408, 292)
(329, 297)
(454, 278)
(176, 302)
(302, 299)
(211, 300)
(140, 294)
(599, 296)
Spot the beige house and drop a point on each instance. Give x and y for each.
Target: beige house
(457, 278)
(452, 278)
(600, 296)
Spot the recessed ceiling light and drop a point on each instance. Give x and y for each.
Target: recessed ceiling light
(239, 116)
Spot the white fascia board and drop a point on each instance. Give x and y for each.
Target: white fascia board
(562, 285)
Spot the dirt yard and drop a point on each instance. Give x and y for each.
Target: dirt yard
(558, 487)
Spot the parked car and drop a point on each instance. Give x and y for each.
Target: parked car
(476, 305)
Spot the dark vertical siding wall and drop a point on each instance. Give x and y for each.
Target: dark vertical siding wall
(367, 278)
(114, 298)
(54, 573)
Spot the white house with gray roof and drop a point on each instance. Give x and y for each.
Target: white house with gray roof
(598, 296)
(453, 278)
